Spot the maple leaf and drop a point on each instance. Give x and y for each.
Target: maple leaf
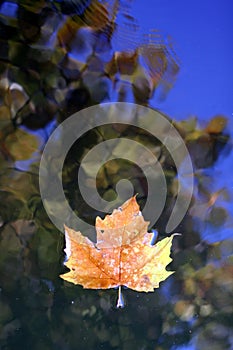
(122, 256)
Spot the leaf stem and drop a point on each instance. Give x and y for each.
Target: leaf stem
(120, 300)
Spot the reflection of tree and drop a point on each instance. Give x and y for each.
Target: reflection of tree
(58, 57)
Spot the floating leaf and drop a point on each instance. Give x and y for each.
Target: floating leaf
(122, 256)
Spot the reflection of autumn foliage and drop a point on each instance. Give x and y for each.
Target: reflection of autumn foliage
(51, 56)
(208, 295)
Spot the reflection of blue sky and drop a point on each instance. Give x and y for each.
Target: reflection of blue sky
(9, 9)
(202, 36)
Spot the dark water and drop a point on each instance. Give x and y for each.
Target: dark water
(52, 64)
